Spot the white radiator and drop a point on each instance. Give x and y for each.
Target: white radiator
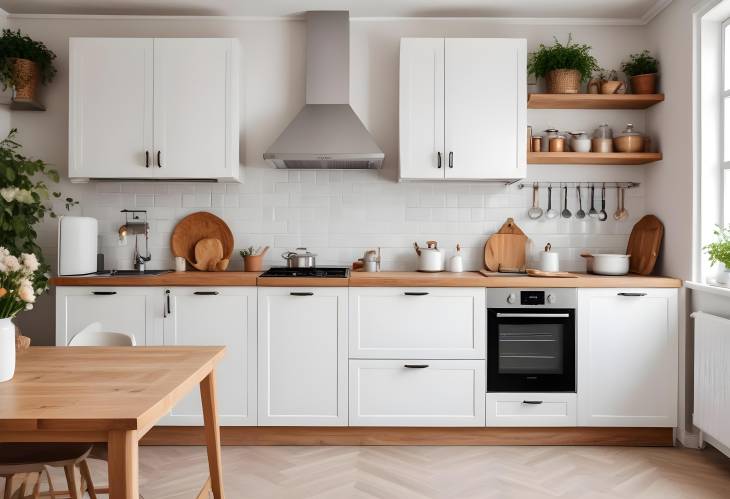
(712, 376)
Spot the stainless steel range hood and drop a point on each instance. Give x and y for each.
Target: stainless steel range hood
(326, 134)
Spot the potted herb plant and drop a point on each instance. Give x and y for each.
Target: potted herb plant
(719, 252)
(24, 63)
(564, 67)
(642, 68)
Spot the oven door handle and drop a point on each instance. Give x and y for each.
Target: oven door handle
(530, 316)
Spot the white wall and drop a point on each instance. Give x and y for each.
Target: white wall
(336, 214)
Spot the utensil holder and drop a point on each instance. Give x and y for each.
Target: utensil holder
(253, 263)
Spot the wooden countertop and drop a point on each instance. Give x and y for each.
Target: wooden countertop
(191, 278)
(384, 279)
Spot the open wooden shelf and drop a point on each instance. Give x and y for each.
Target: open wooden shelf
(592, 101)
(592, 158)
(26, 105)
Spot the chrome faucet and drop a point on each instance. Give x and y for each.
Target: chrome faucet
(135, 225)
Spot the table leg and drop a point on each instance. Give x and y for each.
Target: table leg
(212, 434)
(123, 465)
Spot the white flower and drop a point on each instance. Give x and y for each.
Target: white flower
(4, 251)
(9, 193)
(24, 196)
(29, 306)
(3, 267)
(12, 263)
(26, 294)
(29, 261)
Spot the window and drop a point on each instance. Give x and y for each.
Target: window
(724, 180)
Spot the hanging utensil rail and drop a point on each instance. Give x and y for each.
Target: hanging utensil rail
(608, 185)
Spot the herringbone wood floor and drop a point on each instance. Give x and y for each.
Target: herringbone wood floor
(438, 472)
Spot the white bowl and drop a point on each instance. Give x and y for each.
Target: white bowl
(609, 264)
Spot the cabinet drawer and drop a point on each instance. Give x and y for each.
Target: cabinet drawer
(531, 409)
(445, 393)
(413, 323)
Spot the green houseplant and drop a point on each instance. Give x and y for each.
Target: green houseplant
(24, 63)
(642, 68)
(719, 252)
(24, 203)
(564, 67)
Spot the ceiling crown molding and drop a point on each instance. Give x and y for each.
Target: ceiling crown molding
(654, 11)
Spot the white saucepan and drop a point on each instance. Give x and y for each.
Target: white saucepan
(607, 263)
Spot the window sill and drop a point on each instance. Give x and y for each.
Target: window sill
(707, 288)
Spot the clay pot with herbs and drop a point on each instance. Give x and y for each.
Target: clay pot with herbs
(642, 69)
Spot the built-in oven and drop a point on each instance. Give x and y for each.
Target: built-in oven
(531, 340)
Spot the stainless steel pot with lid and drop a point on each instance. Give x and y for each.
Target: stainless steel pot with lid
(300, 258)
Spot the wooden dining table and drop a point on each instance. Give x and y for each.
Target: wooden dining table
(112, 396)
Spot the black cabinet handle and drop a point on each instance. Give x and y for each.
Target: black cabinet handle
(301, 293)
(451, 159)
(159, 160)
(206, 293)
(167, 299)
(416, 366)
(416, 293)
(532, 402)
(439, 160)
(103, 293)
(631, 294)
(146, 159)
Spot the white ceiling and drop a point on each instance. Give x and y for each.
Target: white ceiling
(595, 9)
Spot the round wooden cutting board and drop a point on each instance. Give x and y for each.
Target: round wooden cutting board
(197, 226)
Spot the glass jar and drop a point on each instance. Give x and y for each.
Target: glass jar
(549, 134)
(629, 140)
(602, 139)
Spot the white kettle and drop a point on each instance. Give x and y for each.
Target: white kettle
(430, 258)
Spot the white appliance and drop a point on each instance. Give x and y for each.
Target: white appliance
(77, 245)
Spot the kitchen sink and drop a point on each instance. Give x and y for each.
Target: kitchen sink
(132, 273)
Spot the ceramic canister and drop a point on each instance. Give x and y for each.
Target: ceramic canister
(549, 260)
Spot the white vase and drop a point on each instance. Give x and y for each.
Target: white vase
(723, 275)
(7, 349)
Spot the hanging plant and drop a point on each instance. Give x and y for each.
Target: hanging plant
(25, 202)
(24, 63)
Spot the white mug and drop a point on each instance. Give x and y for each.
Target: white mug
(549, 261)
(456, 264)
(179, 264)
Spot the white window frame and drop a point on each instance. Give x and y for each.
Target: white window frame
(724, 126)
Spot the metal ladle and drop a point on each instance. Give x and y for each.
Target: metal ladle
(592, 212)
(535, 212)
(566, 212)
(580, 213)
(551, 213)
(602, 215)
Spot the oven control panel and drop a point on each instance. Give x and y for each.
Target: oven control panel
(532, 298)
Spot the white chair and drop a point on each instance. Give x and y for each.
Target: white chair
(93, 336)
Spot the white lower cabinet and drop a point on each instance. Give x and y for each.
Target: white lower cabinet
(432, 323)
(627, 357)
(224, 316)
(302, 356)
(417, 392)
(127, 310)
(531, 409)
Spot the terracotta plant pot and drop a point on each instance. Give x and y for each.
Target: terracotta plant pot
(644, 84)
(26, 77)
(253, 263)
(611, 86)
(563, 81)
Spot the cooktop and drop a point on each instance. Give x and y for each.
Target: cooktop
(307, 272)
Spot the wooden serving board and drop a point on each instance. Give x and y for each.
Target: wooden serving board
(540, 273)
(644, 245)
(506, 248)
(208, 252)
(197, 226)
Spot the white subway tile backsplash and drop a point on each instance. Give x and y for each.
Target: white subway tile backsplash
(340, 214)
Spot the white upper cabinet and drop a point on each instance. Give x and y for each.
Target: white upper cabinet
(627, 357)
(422, 108)
(463, 109)
(110, 107)
(153, 108)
